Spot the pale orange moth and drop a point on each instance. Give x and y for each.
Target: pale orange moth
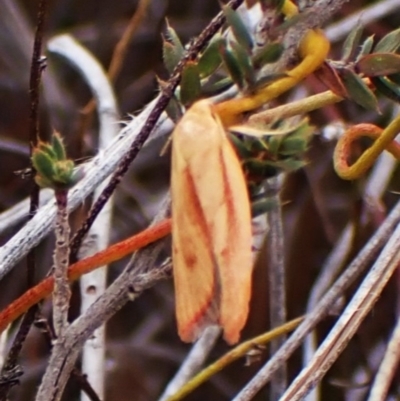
(211, 227)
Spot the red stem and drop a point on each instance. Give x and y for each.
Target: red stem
(111, 254)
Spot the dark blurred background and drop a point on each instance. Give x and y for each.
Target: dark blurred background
(143, 350)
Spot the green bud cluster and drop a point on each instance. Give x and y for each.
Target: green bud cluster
(53, 169)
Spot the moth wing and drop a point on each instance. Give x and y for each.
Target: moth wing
(211, 227)
(194, 263)
(232, 239)
(224, 200)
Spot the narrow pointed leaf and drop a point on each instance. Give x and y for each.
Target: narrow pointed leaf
(45, 147)
(293, 146)
(173, 38)
(244, 63)
(210, 60)
(366, 47)
(239, 29)
(389, 43)
(358, 91)
(240, 147)
(173, 110)
(268, 79)
(263, 206)
(232, 66)
(211, 88)
(173, 49)
(268, 54)
(58, 146)
(170, 56)
(351, 43)
(190, 84)
(44, 165)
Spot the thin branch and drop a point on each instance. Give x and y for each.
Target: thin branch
(375, 189)
(387, 368)
(49, 334)
(277, 288)
(129, 285)
(244, 349)
(322, 309)
(61, 292)
(34, 92)
(117, 58)
(121, 48)
(193, 362)
(19, 212)
(355, 312)
(139, 274)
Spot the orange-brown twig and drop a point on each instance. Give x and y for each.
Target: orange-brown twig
(111, 254)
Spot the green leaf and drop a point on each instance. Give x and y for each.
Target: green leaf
(256, 166)
(44, 165)
(190, 84)
(47, 148)
(358, 91)
(366, 47)
(262, 206)
(210, 60)
(268, 79)
(387, 88)
(244, 63)
(53, 169)
(270, 53)
(173, 50)
(274, 143)
(351, 43)
(389, 43)
(210, 87)
(292, 164)
(240, 146)
(293, 146)
(232, 66)
(63, 173)
(379, 64)
(58, 146)
(173, 38)
(173, 109)
(239, 29)
(171, 57)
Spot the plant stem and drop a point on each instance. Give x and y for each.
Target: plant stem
(104, 257)
(61, 293)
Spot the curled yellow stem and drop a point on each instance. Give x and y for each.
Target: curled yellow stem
(314, 48)
(384, 140)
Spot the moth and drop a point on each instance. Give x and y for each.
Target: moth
(211, 227)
